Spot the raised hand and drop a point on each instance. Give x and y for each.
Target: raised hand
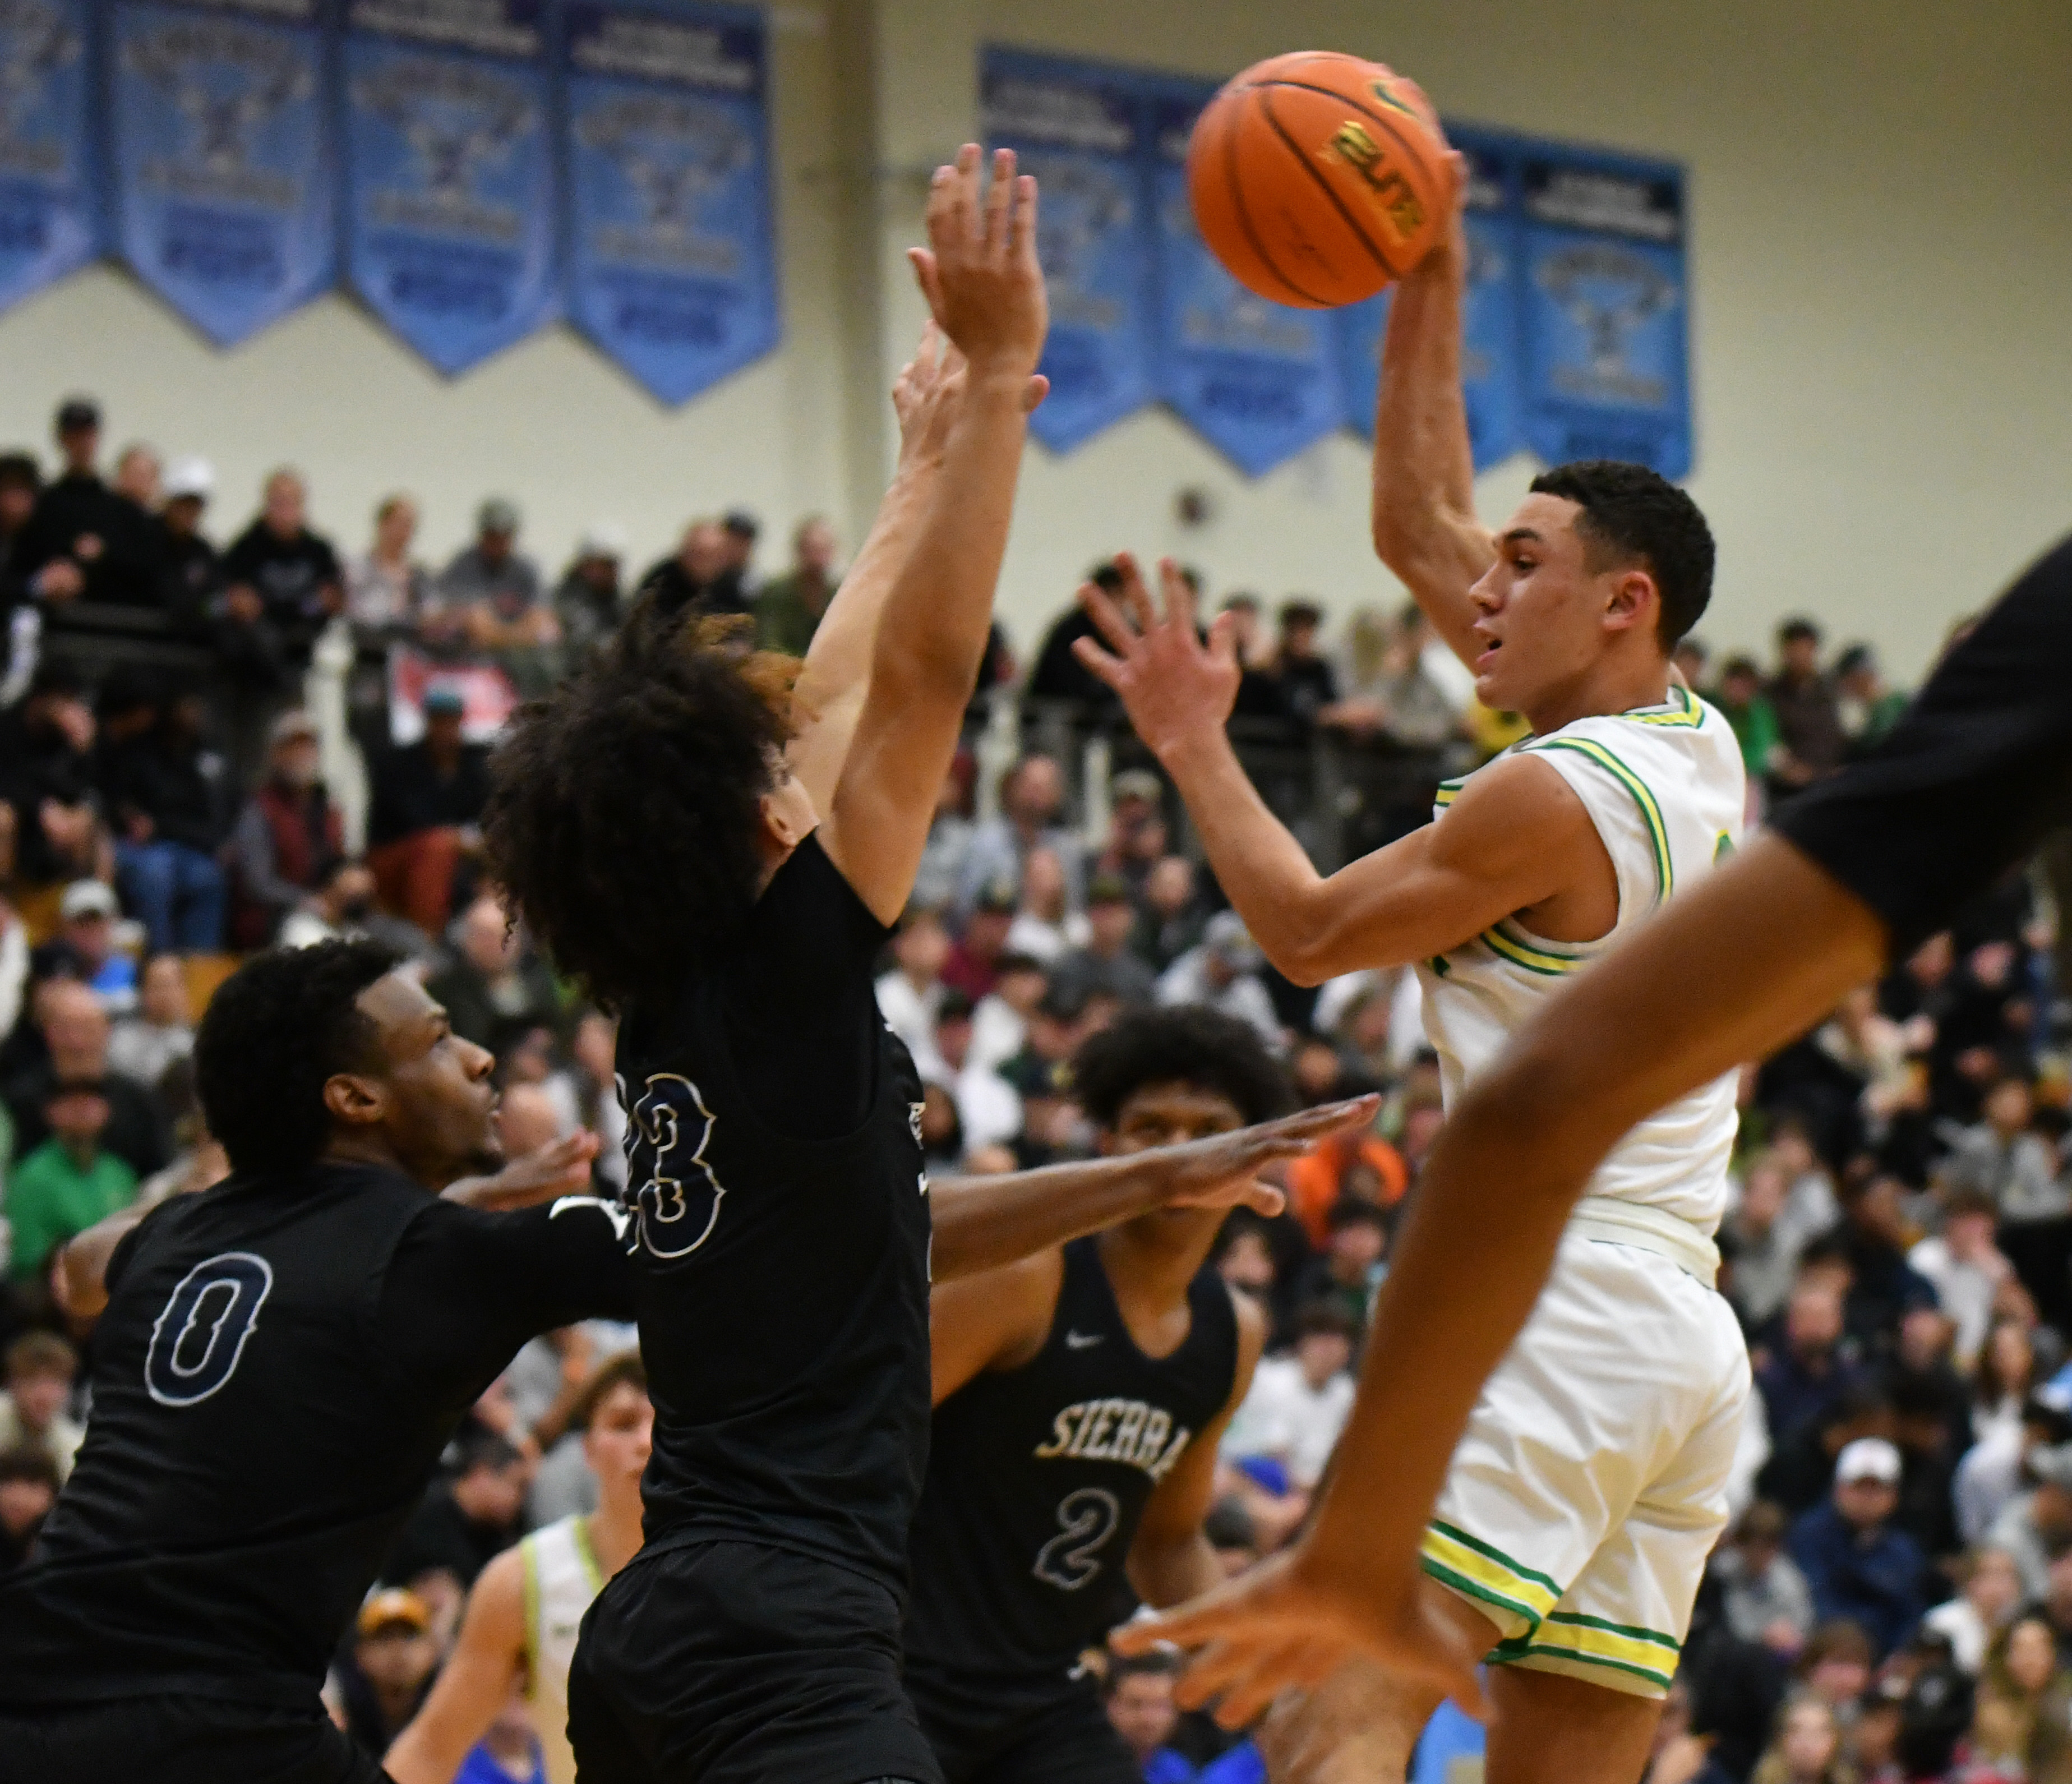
(1174, 687)
(1292, 1622)
(1222, 1170)
(979, 270)
(925, 398)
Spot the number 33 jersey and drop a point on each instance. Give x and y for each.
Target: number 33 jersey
(1038, 1478)
(281, 1361)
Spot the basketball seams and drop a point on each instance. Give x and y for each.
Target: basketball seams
(1391, 123)
(1228, 146)
(1323, 183)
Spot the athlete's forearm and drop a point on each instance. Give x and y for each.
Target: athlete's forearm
(1165, 1574)
(982, 1223)
(1262, 868)
(83, 1264)
(1729, 973)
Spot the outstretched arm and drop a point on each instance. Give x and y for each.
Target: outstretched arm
(830, 689)
(983, 1222)
(1727, 972)
(1424, 524)
(474, 1684)
(1516, 836)
(986, 292)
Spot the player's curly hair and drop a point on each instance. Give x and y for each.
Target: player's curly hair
(276, 1029)
(623, 808)
(1186, 1043)
(1631, 513)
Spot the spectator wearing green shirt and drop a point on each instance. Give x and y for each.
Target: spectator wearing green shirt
(1747, 708)
(1870, 707)
(68, 1182)
(788, 610)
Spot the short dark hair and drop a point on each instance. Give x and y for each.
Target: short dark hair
(476, 1448)
(1798, 626)
(1187, 1043)
(624, 808)
(21, 469)
(1325, 1319)
(1300, 612)
(26, 1462)
(1157, 1664)
(625, 1370)
(1629, 512)
(1349, 1210)
(276, 1029)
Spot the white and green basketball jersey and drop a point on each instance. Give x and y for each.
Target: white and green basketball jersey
(561, 1578)
(1666, 788)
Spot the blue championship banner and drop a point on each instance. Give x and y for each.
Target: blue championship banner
(1606, 340)
(450, 208)
(672, 268)
(1079, 128)
(46, 209)
(223, 165)
(1490, 326)
(1257, 381)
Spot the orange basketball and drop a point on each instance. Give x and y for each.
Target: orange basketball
(1316, 177)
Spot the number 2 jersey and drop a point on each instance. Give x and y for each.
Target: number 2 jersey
(282, 1360)
(1037, 1480)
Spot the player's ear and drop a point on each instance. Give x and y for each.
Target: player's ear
(1634, 600)
(357, 1101)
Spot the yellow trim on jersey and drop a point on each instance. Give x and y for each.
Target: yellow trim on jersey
(1591, 1641)
(1685, 708)
(1468, 1565)
(529, 1572)
(1658, 831)
(1449, 791)
(1520, 951)
(588, 1556)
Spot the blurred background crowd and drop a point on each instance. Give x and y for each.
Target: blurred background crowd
(220, 730)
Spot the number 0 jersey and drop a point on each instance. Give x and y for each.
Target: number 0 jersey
(1039, 1476)
(1665, 789)
(282, 1360)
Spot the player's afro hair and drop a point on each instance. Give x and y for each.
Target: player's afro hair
(1631, 513)
(276, 1029)
(1187, 1043)
(623, 810)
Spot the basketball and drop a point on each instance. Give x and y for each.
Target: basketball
(1316, 177)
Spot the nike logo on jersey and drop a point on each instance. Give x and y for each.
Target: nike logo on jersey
(1083, 1341)
(1131, 1432)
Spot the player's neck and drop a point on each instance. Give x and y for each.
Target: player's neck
(1617, 682)
(371, 1148)
(615, 1529)
(1151, 1261)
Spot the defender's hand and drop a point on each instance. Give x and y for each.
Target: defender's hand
(1222, 1171)
(1174, 688)
(561, 1167)
(979, 271)
(929, 386)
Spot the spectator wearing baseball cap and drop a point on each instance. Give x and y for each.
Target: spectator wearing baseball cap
(1858, 1563)
(492, 593)
(286, 839)
(68, 1182)
(1222, 971)
(588, 598)
(423, 820)
(1104, 963)
(85, 946)
(394, 1656)
(190, 569)
(86, 541)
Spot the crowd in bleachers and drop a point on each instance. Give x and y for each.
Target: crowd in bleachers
(1895, 1598)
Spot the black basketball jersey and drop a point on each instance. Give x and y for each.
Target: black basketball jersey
(280, 1363)
(1039, 1476)
(1967, 783)
(783, 1282)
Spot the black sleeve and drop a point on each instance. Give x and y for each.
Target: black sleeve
(1975, 773)
(800, 1008)
(467, 1289)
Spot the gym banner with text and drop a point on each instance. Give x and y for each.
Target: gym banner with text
(221, 159)
(451, 194)
(1081, 129)
(672, 266)
(48, 224)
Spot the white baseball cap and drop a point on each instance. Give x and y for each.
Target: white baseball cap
(1867, 1459)
(189, 476)
(606, 539)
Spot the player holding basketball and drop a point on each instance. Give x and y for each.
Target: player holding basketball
(1861, 870)
(524, 1611)
(1081, 1394)
(1591, 1482)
